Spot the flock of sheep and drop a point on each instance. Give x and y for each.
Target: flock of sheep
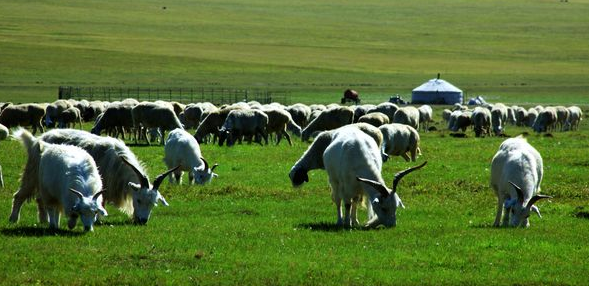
(350, 143)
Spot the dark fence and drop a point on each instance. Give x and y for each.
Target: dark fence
(215, 95)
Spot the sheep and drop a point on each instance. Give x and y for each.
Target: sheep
(462, 121)
(154, 115)
(546, 120)
(125, 183)
(453, 118)
(320, 107)
(575, 117)
(374, 118)
(446, 113)
(398, 139)
(68, 181)
(350, 156)
(386, 108)
(178, 107)
(300, 114)
(93, 110)
(54, 110)
(3, 132)
(532, 115)
(498, 118)
(211, 124)
(511, 119)
(425, 116)
(72, 115)
(521, 116)
(516, 175)
(327, 120)
(361, 110)
(182, 150)
(243, 122)
(29, 114)
(279, 121)
(191, 115)
(408, 115)
(562, 116)
(117, 117)
(481, 120)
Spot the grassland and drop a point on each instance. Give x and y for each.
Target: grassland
(251, 227)
(514, 51)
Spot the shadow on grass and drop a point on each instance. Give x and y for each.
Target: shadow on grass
(326, 227)
(32, 231)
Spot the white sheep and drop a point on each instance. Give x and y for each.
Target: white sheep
(182, 150)
(154, 115)
(408, 115)
(125, 183)
(244, 122)
(532, 115)
(425, 116)
(446, 113)
(562, 116)
(300, 114)
(398, 139)
(498, 118)
(481, 120)
(516, 174)
(374, 118)
(453, 118)
(575, 117)
(387, 108)
(327, 120)
(29, 114)
(350, 157)
(546, 120)
(68, 181)
(521, 116)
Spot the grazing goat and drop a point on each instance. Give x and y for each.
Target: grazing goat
(327, 120)
(125, 183)
(68, 181)
(516, 175)
(182, 150)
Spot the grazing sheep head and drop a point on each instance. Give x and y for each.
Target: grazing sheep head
(224, 134)
(520, 213)
(298, 176)
(205, 174)
(87, 208)
(386, 202)
(145, 195)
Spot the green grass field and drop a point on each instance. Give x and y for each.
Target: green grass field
(514, 51)
(249, 226)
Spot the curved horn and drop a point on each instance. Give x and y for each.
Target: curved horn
(206, 163)
(77, 193)
(160, 178)
(381, 188)
(214, 166)
(401, 174)
(520, 193)
(95, 197)
(142, 178)
(535, 198)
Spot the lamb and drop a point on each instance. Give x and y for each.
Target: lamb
(498, 118)
(211, 123)
(425, 116)
(125, 183)
(29, 114)
(575, 117)
(374, 118)
(328, 120)
(182, 150)
(350, 156)
(408, 115)
(3, 132)
(398, 139)
(516, 175)
(153, 115)
(243, 122)
(279, 121)
(546, 120)
(481, 120)
(300, 114)
(68, 181)
(72, 115)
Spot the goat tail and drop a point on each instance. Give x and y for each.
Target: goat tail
(28, 140)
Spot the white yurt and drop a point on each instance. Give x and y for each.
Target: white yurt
(436, 91)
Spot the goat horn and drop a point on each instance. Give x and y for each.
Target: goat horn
(95, 197)
(535, 198)
(142, 178)
(381, 188)
(77, 193)
(401, 174)
(206, 163)
(160, 178)
(520, 193)
(214, 166)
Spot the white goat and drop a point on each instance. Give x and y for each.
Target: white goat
(183, 150)
(350, 157)
(516, 175)
(68, 180)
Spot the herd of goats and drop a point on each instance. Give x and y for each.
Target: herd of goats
(75, 172)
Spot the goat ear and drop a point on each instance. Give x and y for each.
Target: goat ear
(77, 193)
(102, 211)
(381, 188)
(518, 190)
